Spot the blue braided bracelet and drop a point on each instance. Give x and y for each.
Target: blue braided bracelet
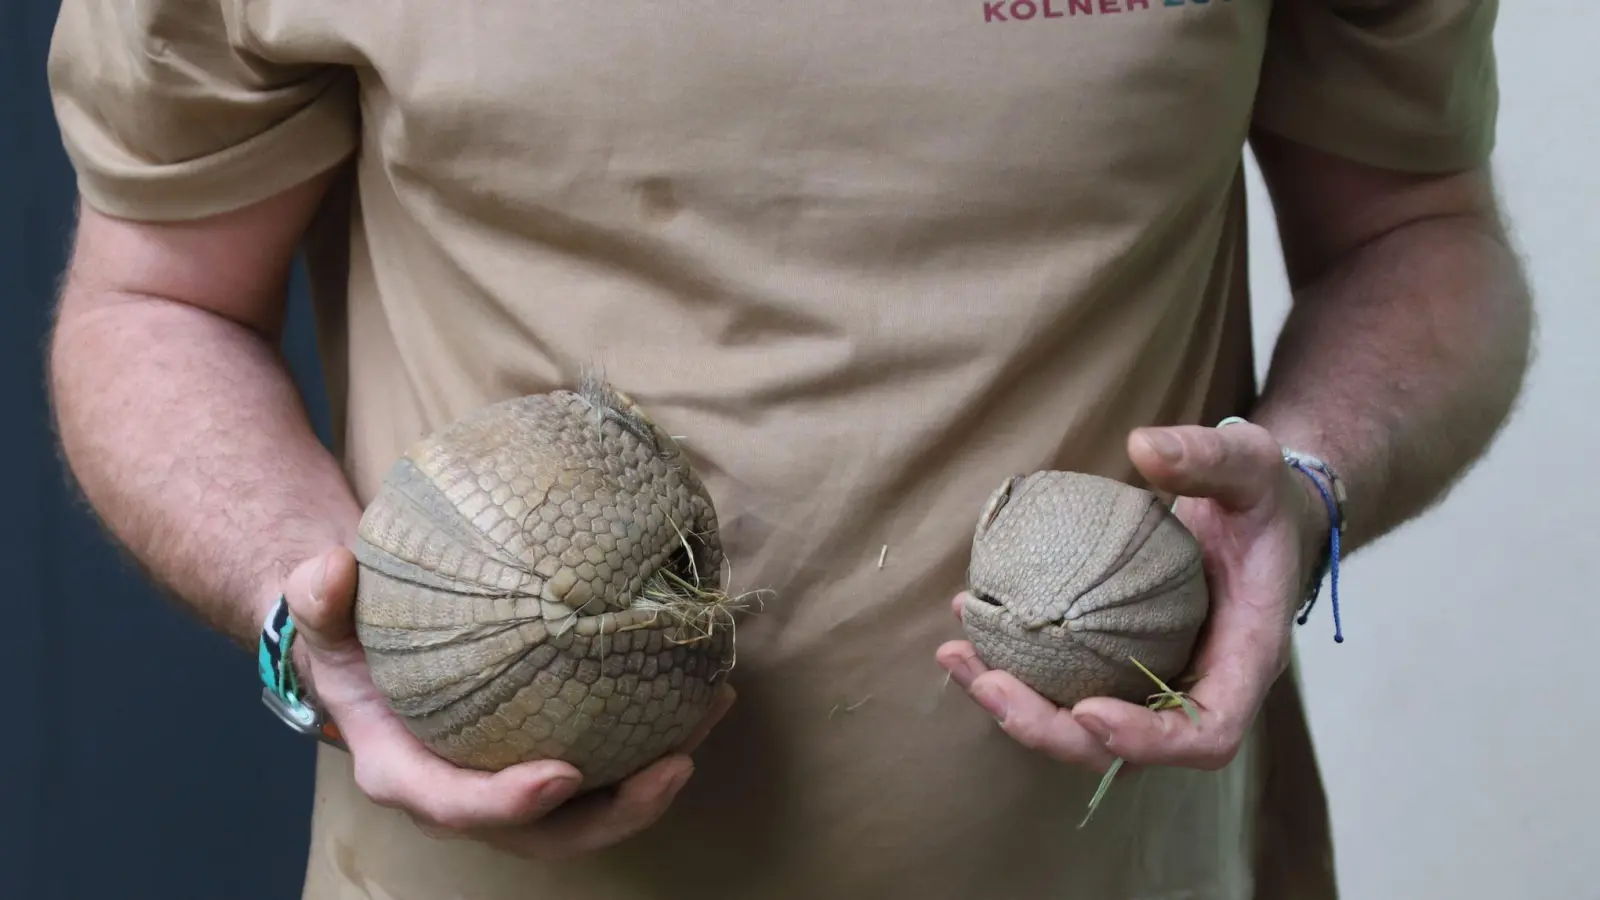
(1333, 496)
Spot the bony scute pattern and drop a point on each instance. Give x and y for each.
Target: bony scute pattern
(1073, 576)
(531, 582)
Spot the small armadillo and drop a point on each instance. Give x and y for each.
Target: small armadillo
(542, 579)
(1072, 576)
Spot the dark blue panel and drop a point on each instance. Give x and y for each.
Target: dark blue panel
(28, 503)
(97, 797)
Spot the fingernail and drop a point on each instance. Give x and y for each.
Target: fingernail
(1097, 728)
(990, 698)
(556, 792)
(679, 780)
(1165, 445)
(964, 669)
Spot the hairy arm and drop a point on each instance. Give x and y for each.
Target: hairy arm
(176, 414)
(1402, 355)
(179, 419)
(1409, 336)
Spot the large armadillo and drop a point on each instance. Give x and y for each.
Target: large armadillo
(1073, 577)
(543, 579)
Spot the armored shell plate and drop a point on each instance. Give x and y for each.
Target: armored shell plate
(1074, 575)
(500, 564)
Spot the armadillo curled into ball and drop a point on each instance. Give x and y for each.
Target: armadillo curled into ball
(542, 579)
(1073, 576)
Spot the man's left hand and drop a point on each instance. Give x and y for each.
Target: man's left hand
(1260, 525)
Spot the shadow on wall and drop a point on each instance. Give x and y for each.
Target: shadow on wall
(141, 763)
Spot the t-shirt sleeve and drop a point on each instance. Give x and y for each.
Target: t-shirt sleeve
(1404, 84)
(166, 112)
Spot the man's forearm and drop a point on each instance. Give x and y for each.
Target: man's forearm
(189, 439)
(1400, 364)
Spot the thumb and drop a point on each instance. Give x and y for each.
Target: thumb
(1236, 466)
(320, 593)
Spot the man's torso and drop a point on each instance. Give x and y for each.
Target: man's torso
(868, 260)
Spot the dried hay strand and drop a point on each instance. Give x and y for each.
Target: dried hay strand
(1166, 698)
(695, 611)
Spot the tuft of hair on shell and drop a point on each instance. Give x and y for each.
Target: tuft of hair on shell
(610, 404)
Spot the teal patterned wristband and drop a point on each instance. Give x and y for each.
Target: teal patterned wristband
(281, 690)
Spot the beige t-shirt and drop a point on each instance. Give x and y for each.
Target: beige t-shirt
(870, 259)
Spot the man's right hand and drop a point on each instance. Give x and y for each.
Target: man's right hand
(219, 472)
(522, 809)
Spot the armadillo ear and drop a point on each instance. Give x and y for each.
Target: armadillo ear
(997, 502)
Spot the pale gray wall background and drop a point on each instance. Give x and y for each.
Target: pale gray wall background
(1459, 721)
